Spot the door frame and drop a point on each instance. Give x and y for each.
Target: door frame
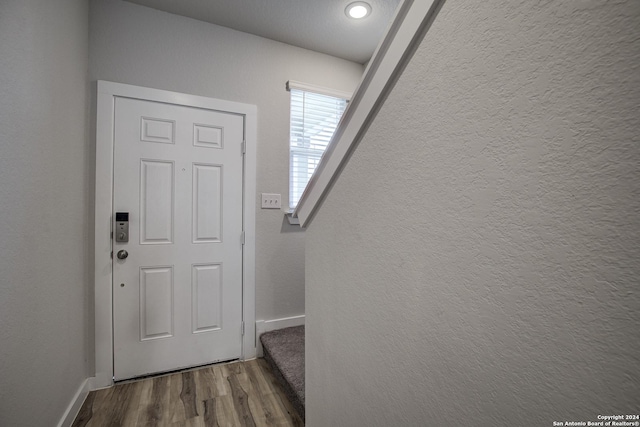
(107, 92)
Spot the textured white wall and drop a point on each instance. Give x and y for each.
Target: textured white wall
(142, 46)
(44, 208)
(477, 262)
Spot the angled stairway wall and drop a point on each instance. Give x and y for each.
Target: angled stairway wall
(482, 240)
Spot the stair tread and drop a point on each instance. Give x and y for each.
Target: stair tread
(284, 351)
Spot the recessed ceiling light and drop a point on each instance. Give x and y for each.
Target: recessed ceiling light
(358, 10)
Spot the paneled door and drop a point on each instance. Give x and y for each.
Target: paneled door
(177, 281)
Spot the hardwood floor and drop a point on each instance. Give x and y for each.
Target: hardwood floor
(232, 394)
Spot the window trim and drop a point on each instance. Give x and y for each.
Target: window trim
(293, 84)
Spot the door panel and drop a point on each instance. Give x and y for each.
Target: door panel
(156, 201)
(207, 203)
(206, 289)
(156, 302)
(177, 297)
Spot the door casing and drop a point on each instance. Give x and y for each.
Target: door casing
(107, 92)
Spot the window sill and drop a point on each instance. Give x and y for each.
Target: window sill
(293, 220)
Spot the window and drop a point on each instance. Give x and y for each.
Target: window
(314, 118)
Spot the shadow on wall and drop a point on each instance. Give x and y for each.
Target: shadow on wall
(289, 228)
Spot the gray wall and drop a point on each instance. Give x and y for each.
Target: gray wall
(477, 262)
(44, 207)
(141, 46)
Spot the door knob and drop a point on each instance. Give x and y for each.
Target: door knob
(122, 254)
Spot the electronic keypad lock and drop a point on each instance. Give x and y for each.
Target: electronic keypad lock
(122, 227)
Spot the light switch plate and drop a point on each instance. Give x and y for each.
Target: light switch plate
(270, 201)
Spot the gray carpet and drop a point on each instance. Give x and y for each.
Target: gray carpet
(284, 351)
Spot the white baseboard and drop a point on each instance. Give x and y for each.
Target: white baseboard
(74, 406)
(263, 326)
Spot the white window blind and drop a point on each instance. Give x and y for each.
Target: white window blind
(314, 118)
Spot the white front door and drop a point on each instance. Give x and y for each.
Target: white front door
(177, 296)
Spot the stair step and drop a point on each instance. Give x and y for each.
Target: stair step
(284, 352)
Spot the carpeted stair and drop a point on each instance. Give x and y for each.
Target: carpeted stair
(284, 352)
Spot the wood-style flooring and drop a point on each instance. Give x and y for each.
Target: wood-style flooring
(232, 394)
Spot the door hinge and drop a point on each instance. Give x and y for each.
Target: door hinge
(242, 239)
(111, 254)
(243, 147)
(242, 328)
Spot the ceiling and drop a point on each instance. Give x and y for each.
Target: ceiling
(319, 25)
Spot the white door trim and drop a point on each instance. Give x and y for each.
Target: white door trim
(107, 93)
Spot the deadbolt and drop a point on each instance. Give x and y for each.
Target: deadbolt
(122, 254)
(122, 226)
